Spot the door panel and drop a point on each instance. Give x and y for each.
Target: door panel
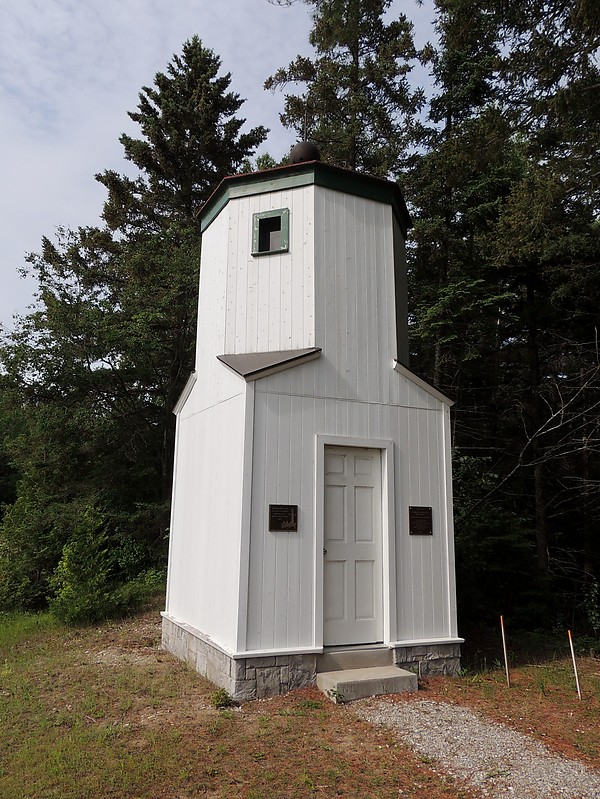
(335, 514)
(365, 589)
(352, 595)
(363, 514)
(335, 589)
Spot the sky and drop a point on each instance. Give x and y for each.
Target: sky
(70, 70)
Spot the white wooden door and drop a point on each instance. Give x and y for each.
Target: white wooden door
(352, 549)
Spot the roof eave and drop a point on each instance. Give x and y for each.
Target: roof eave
(305, 173)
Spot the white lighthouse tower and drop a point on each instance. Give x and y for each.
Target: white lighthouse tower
(312, 505)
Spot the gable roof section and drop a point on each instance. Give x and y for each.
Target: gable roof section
(418, 381)
(305, 174)
(254, 365)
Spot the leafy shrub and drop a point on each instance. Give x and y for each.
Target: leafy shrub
(86, 582)
(32, 535)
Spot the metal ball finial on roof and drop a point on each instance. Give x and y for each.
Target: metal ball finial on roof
(304, 151)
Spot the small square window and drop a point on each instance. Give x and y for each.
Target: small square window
(270, 232)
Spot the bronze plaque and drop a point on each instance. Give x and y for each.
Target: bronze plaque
(283, 518)
(420, 520)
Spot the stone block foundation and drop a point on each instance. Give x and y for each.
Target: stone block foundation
(429, 659)
(262, 677)
(242, 678)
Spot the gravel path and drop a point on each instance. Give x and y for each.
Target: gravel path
(495, 759)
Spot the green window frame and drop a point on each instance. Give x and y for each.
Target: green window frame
(271, 232)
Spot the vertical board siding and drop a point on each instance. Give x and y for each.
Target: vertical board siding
(282, 589)
(204, 554)
(280, 585)
(215, 383)
(354, 295)
(269, 298)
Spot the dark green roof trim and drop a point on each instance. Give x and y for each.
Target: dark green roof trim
(383, 191)
(306, 174)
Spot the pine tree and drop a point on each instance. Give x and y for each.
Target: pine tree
(358, 105)
(550, 74)
(191, 140)
(461, 173)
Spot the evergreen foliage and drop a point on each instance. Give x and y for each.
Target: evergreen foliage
(357, 104)
(191, 140)
(88, 585)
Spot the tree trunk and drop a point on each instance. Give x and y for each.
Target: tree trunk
(534, 417)
(541, 527)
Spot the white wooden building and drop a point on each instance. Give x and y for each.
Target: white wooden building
(312, 504)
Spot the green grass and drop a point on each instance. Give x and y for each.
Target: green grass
(17, 627)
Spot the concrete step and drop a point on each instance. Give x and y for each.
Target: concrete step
(350, 684)
(355, 658)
